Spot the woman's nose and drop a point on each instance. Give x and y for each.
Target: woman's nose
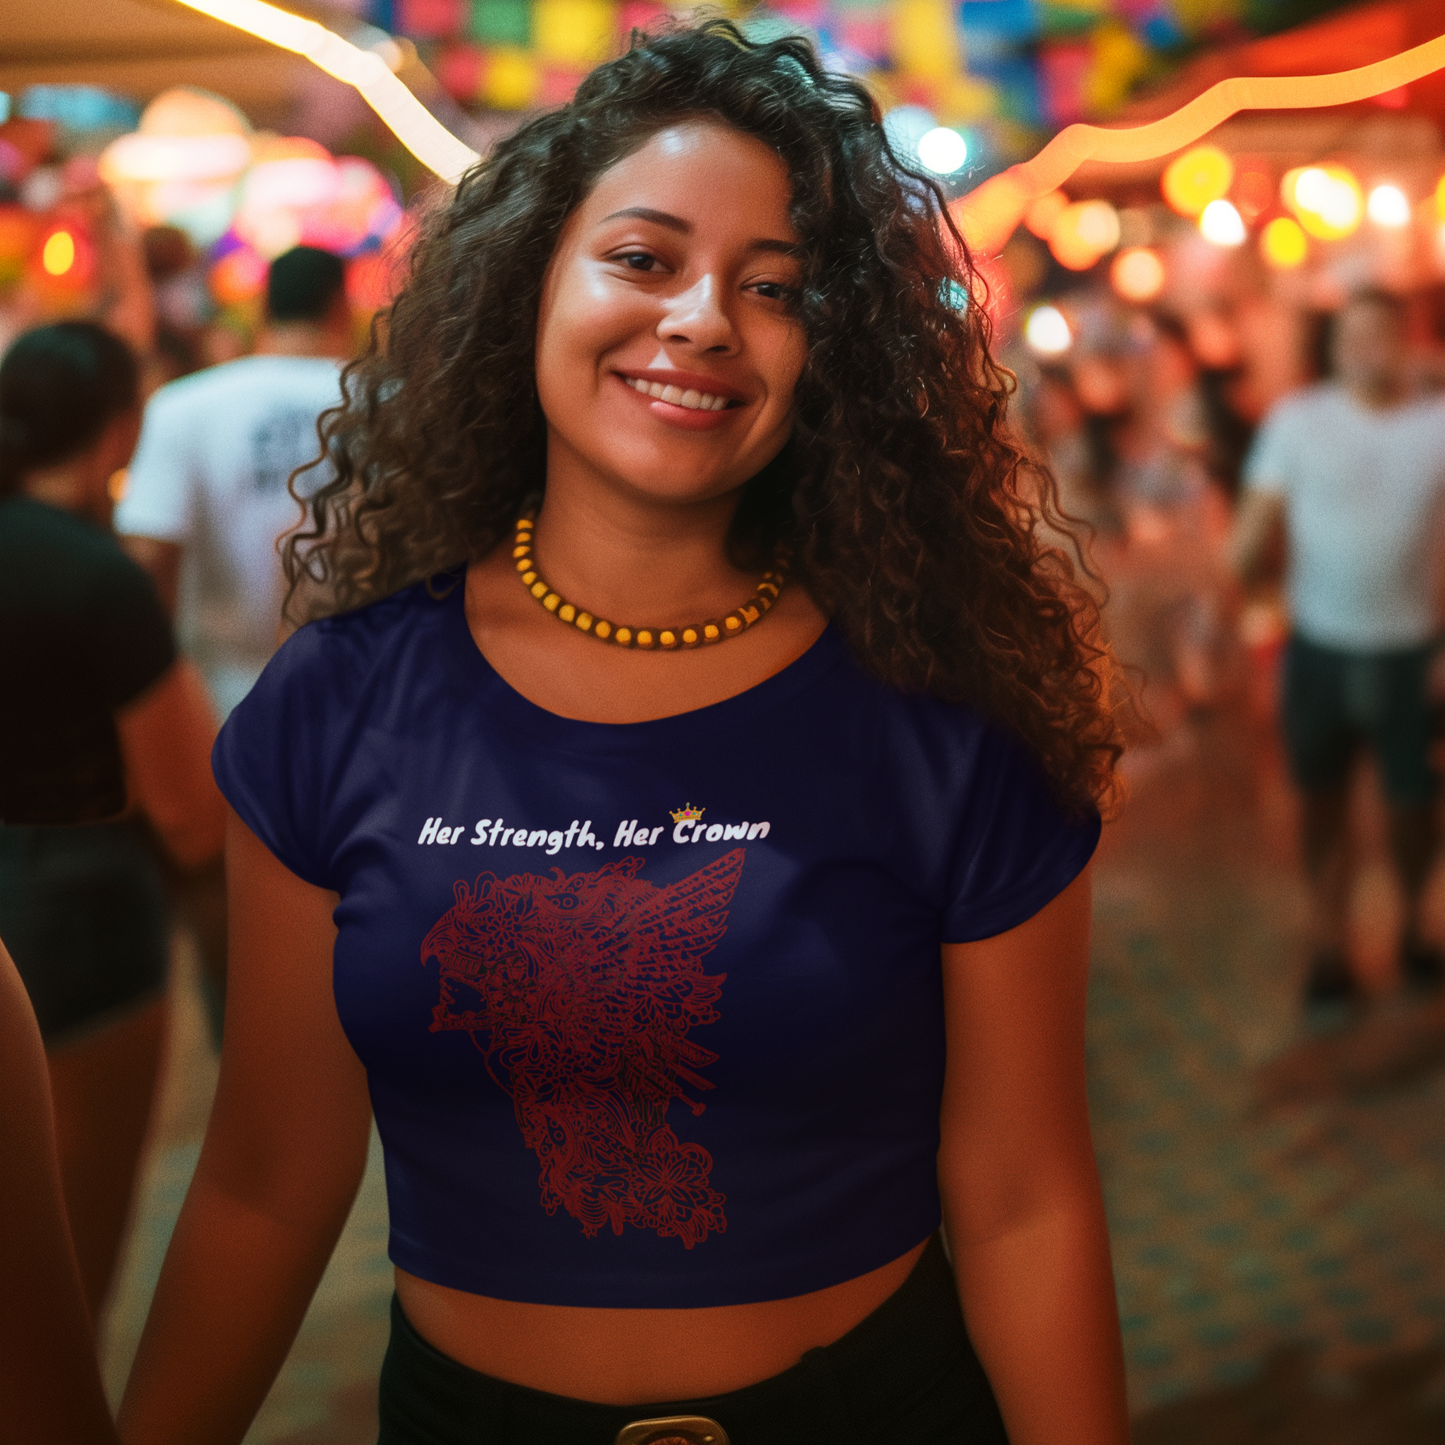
(698, 318)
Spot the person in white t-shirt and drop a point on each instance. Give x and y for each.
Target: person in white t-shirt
(206, 498)
(1352, 474)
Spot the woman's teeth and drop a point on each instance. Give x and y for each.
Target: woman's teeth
(692, 400)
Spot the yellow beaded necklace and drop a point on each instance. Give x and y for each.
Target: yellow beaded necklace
(667, 638)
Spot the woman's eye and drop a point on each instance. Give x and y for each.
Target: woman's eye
(638, 260)
(774, 290)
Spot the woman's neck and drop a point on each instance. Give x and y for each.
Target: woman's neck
(637, 560)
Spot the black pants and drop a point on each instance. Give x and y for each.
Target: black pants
(905, 1373)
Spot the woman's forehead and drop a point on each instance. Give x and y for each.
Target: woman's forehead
(695, 166)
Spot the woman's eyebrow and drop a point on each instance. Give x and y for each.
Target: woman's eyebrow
(684, 228)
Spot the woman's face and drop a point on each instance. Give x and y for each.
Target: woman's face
(667, 345)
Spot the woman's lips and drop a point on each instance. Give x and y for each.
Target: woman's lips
(688, 397)
(689, 408)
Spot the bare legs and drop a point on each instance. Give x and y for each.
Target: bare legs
(1329, 858)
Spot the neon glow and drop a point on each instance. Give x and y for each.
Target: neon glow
(987, 215)
(364, 70)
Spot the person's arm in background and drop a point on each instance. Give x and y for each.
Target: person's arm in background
(162, 561)
(50, 1388)
(282, 1161)
(155, 518)
(1259, 537)
(1021, 1198)
(165, 738)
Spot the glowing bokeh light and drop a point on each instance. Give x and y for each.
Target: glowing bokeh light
(1047, 332)
(1083, 233)
(1221, 225)
(1283, 244)
(1043, 213)
(1196, 178)
(57, 255)
(1137, 274)
(1326, 200)
(942, 150)
(1388, 206)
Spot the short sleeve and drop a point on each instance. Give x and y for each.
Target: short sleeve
(131, 632)
(1017, 849)
(158, 499)
(270, 758)
(1267, 467)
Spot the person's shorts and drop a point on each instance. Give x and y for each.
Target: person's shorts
(84, 914)
(1336, 702)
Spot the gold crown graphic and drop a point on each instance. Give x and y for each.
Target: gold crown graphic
(688, 814)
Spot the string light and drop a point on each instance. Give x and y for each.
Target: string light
(364, 70)
(57, 256)
(1388, 206)
(1137, 274)
(1283, 244)
(1221, 225)
(1199, 176)
(1047, 332)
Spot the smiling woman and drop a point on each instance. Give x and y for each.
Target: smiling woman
(671, 1122)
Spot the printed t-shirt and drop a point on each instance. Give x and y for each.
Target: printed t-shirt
(82, 633)
(210, 474)
(1362, 490)
(651, 1013)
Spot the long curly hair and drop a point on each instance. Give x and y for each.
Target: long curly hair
(911, 509)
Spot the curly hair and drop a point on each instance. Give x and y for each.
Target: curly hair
(912, 513)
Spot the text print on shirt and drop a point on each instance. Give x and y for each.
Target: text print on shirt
(579, 993)
(687, 827)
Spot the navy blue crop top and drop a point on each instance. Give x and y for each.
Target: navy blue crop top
(651, 1013)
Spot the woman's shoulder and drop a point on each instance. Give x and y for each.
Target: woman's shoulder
(371, 632)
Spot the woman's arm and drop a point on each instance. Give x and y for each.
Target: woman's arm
(50, 1392)
(165, 739)
(1022, 1205)
(282, 1161)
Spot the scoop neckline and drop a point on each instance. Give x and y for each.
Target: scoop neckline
(505, 704)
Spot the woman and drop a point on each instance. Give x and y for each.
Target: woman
(98, 712)
(638, 956)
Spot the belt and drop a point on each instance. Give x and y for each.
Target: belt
(673, 1430)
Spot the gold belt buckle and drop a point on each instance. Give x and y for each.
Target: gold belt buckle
(673, 1430)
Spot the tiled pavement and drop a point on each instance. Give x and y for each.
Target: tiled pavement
(1277, 1198)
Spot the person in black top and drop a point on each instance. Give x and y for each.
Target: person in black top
(100, 717)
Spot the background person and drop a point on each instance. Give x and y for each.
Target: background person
(1352, 472)
(97, 709)
(206, 501)
(206, 498)
(635, 1167)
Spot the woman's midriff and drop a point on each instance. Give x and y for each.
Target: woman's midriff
(629, 1357)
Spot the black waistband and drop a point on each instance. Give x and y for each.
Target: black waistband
(907, 1371)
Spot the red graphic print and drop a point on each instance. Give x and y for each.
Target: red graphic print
(580, 992)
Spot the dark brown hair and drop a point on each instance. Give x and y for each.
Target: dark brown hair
(911, 509)
(60, 387)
